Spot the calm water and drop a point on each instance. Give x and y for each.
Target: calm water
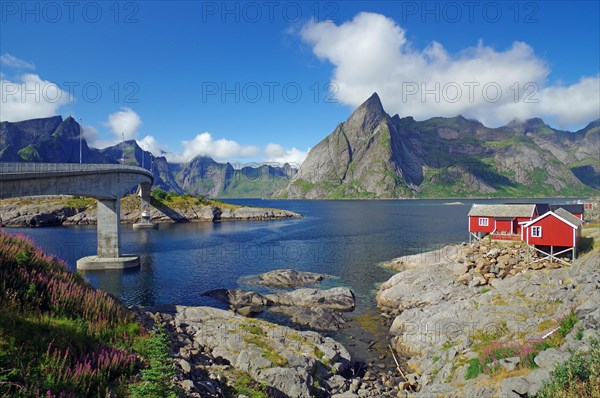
(348, 239)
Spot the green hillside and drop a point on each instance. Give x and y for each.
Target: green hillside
(60, 337)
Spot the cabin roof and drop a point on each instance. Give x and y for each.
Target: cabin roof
(561, 214)
(572, 208)
(504, 211)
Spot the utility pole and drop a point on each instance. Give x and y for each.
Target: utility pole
(123, 149)
(80, 141)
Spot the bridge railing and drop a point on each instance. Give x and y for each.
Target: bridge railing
(23, 167)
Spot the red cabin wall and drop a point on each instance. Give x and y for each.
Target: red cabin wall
(504, 226)
(475, 227)
(517, 221)
(554, 233)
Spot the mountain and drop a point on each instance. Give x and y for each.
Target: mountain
(57, 141)
(204, 176)
(373, 155)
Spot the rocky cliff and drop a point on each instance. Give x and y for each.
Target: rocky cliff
(375, 155)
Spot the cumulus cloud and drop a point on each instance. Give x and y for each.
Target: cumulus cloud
(220, 149)
(275, 153)
(124, 123)
(11, 61)
(371, 53)
(30, 97)
(91, 135)
(150, 144)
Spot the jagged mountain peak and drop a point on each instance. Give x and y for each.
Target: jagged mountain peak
(368, 115)
(377, 156)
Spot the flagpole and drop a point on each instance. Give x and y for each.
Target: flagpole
(80, 141)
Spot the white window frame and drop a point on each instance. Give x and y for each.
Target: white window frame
(536, 232)
(484, 221)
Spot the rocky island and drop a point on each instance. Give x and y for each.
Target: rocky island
(167, 208)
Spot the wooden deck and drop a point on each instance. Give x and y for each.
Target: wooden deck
(506, 237)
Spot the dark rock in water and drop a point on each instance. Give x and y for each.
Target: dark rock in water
(238, 297)
(249, 310)
(285, 278)
(315, 318)
(337, 298)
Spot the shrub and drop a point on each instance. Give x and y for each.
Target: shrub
(579, 376)
(157, 380)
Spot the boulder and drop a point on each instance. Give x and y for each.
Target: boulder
(550, 357)
(337, 298)
(286, 278)
(238, 297)
(315, 318)
(514, 387)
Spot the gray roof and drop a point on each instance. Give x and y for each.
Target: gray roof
(507, 210)
(568, 216)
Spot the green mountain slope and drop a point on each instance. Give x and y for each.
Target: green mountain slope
(374, 155)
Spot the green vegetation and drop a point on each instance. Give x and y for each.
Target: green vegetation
(79, 201)
(173, 199)
(491, 351)
(157, 380)
(240, 383)
(30, 154)
(268, 351)
(60, 337)
(577, 377)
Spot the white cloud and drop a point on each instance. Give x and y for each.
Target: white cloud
(11, 61)
(91, 135)
(371, 53)
(30, 97)
(275, 153)
(222, 149)
(124, 122)
(150, 144)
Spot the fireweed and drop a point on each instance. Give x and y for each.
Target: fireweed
(94, 352)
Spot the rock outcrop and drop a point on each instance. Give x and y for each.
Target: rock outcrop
(285, 278)
(315, 308)
(215, 347)
(441, 323)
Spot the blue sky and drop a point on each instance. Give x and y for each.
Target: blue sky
(253, 81)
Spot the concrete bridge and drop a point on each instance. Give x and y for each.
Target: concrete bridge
(104, 182)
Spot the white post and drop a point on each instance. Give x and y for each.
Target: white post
(80, 141)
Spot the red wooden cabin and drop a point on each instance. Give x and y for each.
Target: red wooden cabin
(503, 221)
(557, 230)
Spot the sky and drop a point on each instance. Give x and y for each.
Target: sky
(264, 81)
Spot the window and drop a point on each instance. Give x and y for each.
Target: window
(483, 222)
(536, 232)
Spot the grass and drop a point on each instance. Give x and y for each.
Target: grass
(240, 383)
(491, 350)
(60, 337)
(268, 352)
(579, 376)
(253, 329)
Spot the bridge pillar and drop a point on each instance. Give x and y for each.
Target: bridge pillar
(108, 214)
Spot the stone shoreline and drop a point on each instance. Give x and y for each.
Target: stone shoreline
(51, 212)
(441, 318)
